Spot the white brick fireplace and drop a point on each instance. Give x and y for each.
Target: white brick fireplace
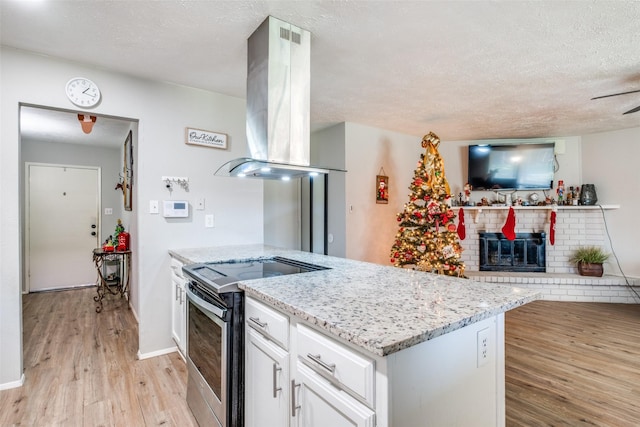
(575, 226)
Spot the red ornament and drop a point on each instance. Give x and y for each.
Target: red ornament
(451, 227)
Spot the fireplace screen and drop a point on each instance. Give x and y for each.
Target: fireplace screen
(524, 254)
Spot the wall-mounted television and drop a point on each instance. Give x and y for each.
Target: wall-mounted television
(511, 167)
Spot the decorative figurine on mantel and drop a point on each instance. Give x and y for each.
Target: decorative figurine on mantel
(467, 193)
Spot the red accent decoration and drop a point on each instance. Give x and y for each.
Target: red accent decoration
(462, 232)
(509, 226)
(123, 241)
(552, 228)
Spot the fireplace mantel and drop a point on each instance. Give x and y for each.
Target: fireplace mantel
(478, 209)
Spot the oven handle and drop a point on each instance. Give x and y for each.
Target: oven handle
(216, 310)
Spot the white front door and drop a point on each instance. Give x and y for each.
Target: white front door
(62, 214)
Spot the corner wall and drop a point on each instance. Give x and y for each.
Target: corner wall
(163, 111)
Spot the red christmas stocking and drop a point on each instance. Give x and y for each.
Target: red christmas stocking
(462, 232)
(509, 227)
(552, 228)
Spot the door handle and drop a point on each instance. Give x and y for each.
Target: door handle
(294, 406)
(276, 389)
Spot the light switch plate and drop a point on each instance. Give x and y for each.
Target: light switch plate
(208, 221)
(154, 207)
(108, 211)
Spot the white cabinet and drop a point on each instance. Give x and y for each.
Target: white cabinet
(312, 386)
(266, 382)
(178, 305)
(317, 402)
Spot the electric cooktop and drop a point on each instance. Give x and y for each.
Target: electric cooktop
(223, 276)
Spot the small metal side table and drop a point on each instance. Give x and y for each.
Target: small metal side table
(114, 287)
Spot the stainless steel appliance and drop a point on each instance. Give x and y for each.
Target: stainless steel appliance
(215, 337)
(278, 105)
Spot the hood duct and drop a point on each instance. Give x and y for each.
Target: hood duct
(278, 94)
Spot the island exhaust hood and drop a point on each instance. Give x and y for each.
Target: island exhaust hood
(278, 94)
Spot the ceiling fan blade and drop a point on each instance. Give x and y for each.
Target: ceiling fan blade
(615, 94)
(634, 110)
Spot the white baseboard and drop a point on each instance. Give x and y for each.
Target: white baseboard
(142, 356)
(13, 384)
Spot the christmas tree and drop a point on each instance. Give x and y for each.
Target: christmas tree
(427, 237)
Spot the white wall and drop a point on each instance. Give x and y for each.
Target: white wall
(163, 111)
(371, 227)
(610, 162)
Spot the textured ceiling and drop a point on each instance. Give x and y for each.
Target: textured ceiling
(464, 70)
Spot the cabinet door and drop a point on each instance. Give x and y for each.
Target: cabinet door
(266, 382)
(178, 312)
(320, 404)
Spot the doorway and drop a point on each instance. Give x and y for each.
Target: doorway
(56, 138)
(62, 225)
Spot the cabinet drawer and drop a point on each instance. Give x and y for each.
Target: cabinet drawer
(268, 322)
(337, 362)
(176, 267)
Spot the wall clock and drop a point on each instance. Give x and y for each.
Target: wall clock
(82, 92)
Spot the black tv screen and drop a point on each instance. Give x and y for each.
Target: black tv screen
(511, 167)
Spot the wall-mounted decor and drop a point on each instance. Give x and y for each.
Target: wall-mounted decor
(382, 187)
(206, 138)
(127, 185)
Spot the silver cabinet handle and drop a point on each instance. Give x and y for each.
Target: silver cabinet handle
(257, 321)
(276, 389)
(331, 367)
(294, 407)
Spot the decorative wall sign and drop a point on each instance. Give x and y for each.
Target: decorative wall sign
(206, 138)
(382, 188)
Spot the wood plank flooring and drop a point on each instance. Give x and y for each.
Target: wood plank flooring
(573, 364)
(81, 368)
(567, 364)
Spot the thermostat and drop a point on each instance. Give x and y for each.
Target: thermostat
(175, 208)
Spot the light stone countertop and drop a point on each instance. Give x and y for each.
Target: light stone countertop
(378, 308)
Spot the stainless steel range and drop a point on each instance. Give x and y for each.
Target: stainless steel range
(215, 334)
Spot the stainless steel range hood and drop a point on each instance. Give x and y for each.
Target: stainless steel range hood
(278, 93)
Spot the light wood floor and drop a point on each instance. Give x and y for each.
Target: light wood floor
(567, 364)
(573, 364)
(81, 368)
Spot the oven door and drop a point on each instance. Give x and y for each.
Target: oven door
(206, 356)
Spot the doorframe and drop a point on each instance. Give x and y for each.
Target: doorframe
(27, 223)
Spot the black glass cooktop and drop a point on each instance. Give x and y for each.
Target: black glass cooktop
(220, 275)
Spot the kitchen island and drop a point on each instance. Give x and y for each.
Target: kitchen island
(409, 348)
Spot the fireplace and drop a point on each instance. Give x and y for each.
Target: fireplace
(526, 253)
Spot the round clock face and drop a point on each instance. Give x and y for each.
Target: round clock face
(83, 92)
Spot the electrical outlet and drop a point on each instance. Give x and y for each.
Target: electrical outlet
(483, 347)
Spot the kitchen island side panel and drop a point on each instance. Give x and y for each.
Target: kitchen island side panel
(441, 381)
